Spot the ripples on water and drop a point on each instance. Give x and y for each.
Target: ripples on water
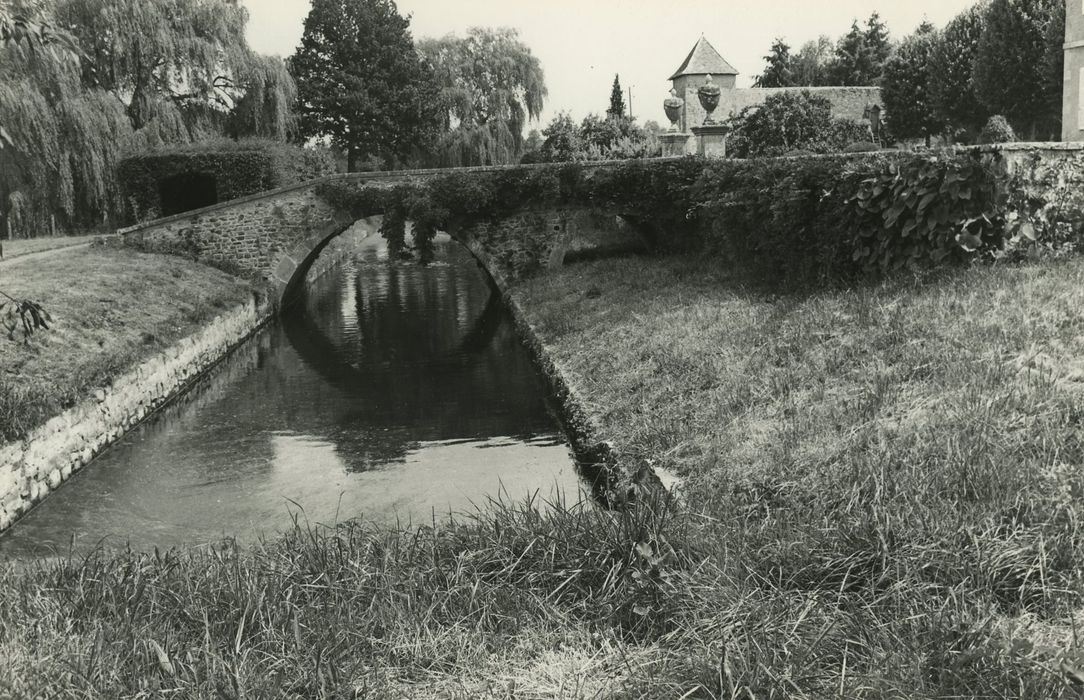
(391, 393)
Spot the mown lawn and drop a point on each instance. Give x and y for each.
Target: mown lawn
(111, 307)
(882, 498)
(16, 247)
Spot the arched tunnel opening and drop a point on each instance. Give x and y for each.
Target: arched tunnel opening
(186, 192)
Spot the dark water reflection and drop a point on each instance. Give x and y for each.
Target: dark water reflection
(391, 392)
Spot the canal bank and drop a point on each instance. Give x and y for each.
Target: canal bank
(427, 386)
(136, 334)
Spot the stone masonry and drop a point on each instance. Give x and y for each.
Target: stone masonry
(278, 234)
(32, 468)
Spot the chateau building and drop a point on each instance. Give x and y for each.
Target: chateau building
(703, 61)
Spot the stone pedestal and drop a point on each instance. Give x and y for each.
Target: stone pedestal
(674, 143)
(711, 140)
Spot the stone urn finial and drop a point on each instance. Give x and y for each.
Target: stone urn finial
(672, 106)
(709, 94)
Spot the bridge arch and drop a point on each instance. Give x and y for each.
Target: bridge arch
(280, 233)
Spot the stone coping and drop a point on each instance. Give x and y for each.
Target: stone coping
(364, 177)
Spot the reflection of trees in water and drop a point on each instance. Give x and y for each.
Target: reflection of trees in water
(422, 354)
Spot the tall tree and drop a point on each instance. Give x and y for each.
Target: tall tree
(861, 53)
(617, 100)
(360, 81)
(1014, 65)
(491, 86)
(138, 73)
(878, 40)
(905, 87)
(779, 72)
(812, 63)
(178, 61)
(952, 63)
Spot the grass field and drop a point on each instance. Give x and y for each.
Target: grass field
(882, 499)
(16, 247)
(111, 307)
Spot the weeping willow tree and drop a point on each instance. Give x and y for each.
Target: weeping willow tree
(138, 74)
(491, 86)
(184, 57)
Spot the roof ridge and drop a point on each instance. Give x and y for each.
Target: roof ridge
(704, 59)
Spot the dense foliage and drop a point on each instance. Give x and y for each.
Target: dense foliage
(997, 130)
(617, 100)
(361, 83)
(129, 75)
(951, 65)
(856, 58)
(778, 71)
(239, 168)
(1018, 64)
(906, 87)
(489, 86)
(792, 121)
(861, 54)
(595, 138)
(794, 220)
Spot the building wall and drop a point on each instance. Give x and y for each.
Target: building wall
(687, 85)
(1073, 91)
(847, 102)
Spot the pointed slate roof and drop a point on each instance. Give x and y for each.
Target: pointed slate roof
(704, 59)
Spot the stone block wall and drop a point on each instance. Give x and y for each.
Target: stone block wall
(32, 468)
(251, 234)
(847, 102)
(537, 239)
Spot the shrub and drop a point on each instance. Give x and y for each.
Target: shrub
(997, 130)
(796, 220)
(789, 121)
(861, 147)
(239, 168)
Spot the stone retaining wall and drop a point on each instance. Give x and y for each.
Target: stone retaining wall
(32, 468)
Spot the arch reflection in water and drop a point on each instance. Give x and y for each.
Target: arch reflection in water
(390, 392)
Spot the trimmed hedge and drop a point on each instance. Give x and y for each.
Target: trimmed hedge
(793, 221)
(239, 168)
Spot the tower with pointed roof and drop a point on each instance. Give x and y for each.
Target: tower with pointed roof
(703, 61)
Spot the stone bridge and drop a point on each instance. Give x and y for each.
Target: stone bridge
(278, 234)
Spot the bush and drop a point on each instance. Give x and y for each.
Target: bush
(790, 121)
(997, 130)
(238, 168)
(862, 147)
(799, 221)
(796, 220)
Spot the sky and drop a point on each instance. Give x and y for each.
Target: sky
(582, 44)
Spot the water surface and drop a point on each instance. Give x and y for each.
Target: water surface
(390, 393)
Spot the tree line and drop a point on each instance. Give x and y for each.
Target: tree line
(1001, 58)
(85, 82)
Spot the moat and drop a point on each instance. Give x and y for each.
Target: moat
(391, 392)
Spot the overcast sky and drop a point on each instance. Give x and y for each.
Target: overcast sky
(583, 43)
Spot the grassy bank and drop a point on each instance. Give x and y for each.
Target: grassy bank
(883, 499)
(17, 247)
(111, 307)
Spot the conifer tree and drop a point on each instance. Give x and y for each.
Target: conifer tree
(952, 64)
(779, 72)
(906, 87)
(1017, 56)
(617, 100)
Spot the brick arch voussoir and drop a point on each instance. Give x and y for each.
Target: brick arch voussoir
(294, 263)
